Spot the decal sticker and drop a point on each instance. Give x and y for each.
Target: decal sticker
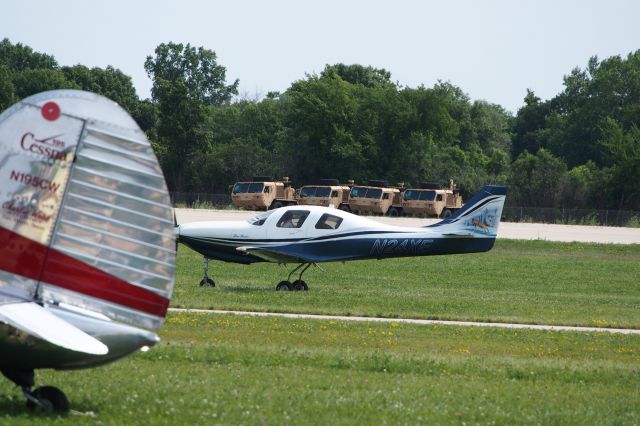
(51, 111)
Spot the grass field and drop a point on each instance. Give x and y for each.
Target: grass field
(518, 281)
(227, 369)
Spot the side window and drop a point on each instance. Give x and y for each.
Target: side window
(334, 194)
(292, 219)
(439, 197)
(385, 196)
(267, 189)
(329, 221)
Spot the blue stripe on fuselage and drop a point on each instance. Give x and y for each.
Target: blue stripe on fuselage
(380, 248)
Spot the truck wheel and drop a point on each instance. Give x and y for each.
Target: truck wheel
(393, 212)
(345, 208)
(275, 205)
(445, 213)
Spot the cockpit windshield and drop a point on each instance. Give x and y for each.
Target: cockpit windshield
(260, 219)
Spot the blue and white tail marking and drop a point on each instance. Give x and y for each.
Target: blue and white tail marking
(479, 216)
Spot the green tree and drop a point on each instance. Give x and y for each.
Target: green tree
(109, 82)
(537, 179)
(357, 74)
(244, 137)
(31, 81)
(584, 187)
(196, 68)
(7, 90)
(181, 138)
(623, 163)
(530, 124)
(319, 118)
(18, 57)
(187, 82)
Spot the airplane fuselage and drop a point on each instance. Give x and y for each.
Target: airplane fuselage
(353, 238)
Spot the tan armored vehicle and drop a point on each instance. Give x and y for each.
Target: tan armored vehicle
(430, 200)
(327, 193)
(375, 198)
(263, 193)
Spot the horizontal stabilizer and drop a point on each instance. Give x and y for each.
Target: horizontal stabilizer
(40, 322)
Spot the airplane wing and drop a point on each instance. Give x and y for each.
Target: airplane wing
(274, 256)
(39, 322)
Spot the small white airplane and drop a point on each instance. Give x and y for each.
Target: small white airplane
(87, 243)
(308, 235)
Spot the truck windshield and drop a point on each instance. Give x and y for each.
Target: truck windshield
(374, 193)
(411, 195)
(307, 191)
(360, 192)
(240, 187)
(357, 191)
(255, 187)
(251, 187)
(323, 191)
(427, 195)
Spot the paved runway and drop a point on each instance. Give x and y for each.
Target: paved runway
(516, 231)
(418, 321)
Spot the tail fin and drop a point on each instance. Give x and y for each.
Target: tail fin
(479, 216)
(85, 214)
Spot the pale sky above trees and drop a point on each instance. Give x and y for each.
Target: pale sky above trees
(493, 50)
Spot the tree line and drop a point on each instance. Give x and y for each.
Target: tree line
(580, 149)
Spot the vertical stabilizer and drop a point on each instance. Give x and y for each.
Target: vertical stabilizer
(480, 216)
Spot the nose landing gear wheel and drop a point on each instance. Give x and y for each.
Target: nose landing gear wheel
(299, 285)
(207, 282)
(284, 286)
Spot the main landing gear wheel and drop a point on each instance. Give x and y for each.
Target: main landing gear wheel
(207, 282)
(47, 398)
(299, 285)
(284, 286)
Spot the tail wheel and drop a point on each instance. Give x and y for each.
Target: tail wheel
(446, 213)
(393, 212)
(275, 205)
(345, 208)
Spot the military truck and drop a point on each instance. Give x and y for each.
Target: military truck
(430, 200)
(328, 192)
(376, 197)
(263, 193)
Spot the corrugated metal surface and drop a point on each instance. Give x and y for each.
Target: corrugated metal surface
(115, 215)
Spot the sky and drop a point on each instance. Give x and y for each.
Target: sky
(492, 50)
